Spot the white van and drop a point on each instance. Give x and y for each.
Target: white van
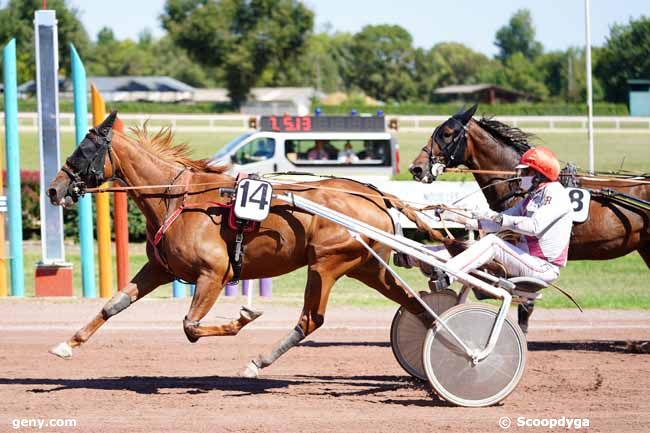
(346, 146)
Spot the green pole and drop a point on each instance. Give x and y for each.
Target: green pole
(85, 204)
(14, 207)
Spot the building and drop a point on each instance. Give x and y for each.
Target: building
(125, 88)
(266, 100)
(140, 88)
(639, 97)
(484, 93)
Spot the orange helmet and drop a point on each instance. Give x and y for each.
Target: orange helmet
(542, 160)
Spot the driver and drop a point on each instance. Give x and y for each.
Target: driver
(544, 218)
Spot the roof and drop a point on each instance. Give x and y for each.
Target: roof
(638, 81)
(139, 83)
(462, 88)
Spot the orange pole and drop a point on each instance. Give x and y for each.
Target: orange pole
(103, 212)
(121, 222)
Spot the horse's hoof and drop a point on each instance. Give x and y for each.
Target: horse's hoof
(62, 350)
(251, 371)
(248, 314)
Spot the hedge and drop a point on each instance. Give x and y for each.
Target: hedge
(518, 109)
(30, 199)
(66, 106)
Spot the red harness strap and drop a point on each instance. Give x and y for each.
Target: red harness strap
(248, 227)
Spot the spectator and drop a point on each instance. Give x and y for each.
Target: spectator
(368, 151)
(347, 155)
(318, 151)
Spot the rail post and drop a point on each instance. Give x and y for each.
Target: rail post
(12, 153)
(85, 203)
(103, 211)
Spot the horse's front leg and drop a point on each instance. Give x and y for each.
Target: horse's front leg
(150, 276)
(208, 288)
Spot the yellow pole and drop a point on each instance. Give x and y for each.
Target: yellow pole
(3, 257)
(103, 212)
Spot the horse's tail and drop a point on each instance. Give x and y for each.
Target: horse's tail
(412, 214)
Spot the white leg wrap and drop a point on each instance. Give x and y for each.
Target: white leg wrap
(251, 371)
(62, 350)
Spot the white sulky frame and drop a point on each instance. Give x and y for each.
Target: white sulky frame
(418, 251)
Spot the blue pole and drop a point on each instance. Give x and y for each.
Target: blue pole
(85, 204)
(15, 213)
(178, 289)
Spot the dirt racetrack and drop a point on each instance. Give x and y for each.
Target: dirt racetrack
(139, 374)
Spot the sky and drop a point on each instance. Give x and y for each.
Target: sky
(559, 23)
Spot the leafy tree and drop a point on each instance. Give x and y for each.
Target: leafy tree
(518, 36)
(17, 21)
(521, 74)
(384, 62)
(246, 39)
(626, 55)
(326, 63)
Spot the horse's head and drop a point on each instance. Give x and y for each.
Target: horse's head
(446, 147)
(87, 167)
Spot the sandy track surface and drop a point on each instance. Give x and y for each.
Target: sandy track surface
(139, 374)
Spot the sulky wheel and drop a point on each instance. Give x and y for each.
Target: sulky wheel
(451, 372)
(407, 332)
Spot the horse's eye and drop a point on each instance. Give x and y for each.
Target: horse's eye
(447, 134)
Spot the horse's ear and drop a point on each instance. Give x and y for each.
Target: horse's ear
(107, 124)
(467, 115)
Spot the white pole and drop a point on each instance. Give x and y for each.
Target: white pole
(590, 103)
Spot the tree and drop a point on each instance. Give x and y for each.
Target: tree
(518, 36)
(521, 74)
(17, 21)
(626, 55)
(246, 39)
(384, 62)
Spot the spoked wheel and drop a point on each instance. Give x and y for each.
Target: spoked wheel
(407, 332)
(450, 370)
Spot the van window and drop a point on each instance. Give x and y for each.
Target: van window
(260, 149)
(338, 152)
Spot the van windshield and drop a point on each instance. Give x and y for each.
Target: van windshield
(228, 148)
(339, 152)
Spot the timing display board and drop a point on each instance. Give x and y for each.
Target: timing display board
(323, 123)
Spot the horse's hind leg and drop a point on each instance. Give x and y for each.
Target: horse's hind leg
(150, 276)
(320, 280)
(208, 288)
(376, 276)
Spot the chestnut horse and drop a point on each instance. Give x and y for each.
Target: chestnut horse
(612, 229)
(197, 247)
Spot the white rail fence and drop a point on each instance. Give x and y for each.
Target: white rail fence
(240, 122)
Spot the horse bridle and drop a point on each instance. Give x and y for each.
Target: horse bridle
(85, 167)
(453, 152)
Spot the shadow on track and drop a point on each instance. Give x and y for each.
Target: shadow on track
(614, 346)
(375, 388)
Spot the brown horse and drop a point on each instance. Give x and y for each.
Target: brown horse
(198, 246)
(612, 229)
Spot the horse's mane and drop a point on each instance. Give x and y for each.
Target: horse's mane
(509, 135)
(162, 144)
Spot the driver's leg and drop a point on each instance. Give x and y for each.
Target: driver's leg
(516, 261)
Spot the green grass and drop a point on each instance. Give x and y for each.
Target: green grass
(610, 149)
(621, 283)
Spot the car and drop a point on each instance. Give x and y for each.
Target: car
(347, 146)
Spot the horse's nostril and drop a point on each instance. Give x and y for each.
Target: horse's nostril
(52, 193)
(416, 170)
